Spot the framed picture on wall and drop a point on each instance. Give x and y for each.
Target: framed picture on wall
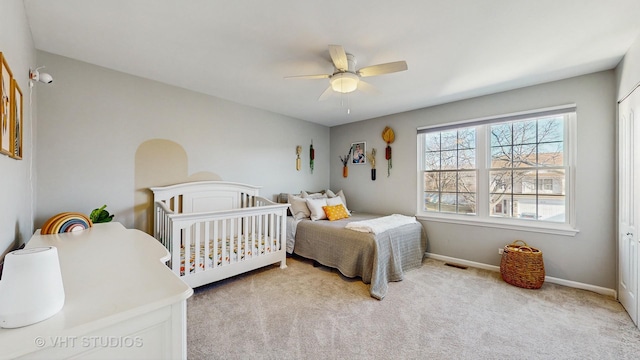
(5, 107)
(16, 120)
(359, 153)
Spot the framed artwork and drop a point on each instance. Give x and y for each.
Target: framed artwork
(359, 153)
(16, 120)
(5, 107)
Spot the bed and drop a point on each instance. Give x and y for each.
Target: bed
(218, 229)
(378, 256)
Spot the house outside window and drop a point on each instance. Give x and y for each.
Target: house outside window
(513, 169)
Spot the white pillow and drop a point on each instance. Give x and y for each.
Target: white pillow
(305, 194)
(315, 206)
(330, 194)
(299, 208)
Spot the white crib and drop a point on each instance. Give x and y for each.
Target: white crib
(218, 229)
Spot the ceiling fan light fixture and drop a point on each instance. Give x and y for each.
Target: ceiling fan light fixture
(345, 82)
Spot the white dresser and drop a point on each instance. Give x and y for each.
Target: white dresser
(122, 301)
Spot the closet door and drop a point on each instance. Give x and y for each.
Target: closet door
(628, 203)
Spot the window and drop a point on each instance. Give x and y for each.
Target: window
(527, 157)
(450, 171)
(511, 169)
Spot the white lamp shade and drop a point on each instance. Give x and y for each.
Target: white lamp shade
(31, 288)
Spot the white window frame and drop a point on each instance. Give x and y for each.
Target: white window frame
(482, 217)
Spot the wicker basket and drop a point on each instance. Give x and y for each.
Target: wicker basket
(522, 265)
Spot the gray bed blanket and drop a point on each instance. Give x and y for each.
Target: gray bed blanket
(377, 259)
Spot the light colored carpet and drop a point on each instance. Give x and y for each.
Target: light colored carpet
(436, 312)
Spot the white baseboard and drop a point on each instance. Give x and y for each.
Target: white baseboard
(553, 280)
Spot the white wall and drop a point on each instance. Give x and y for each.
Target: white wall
(16, 200)
(588, 258)
(92, 121)
(628, 71)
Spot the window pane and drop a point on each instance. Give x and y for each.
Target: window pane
(552, 182)
(501, 157)
(432, 201)
(466, 203)
(500, 182)
(432, 161)
(500, 205)
(524, 181)
(467, 159)
(551, 154)
(551, 208)
(467, 181)
(524, 155)
(551, 129)
(525, 207)
(448, 202)
(449, 160)
(449, 140)
(500, 134)
(467, 138)
(448, 181)
(431, 182)
(524, 132)
(432, 141)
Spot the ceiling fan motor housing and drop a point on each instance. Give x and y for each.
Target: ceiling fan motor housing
(351, 62)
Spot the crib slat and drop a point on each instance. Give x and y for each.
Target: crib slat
(215, 243)
(197, 240)
(249, 249)
(224, 242)
(253, 235)
(186, 242)
(175, 241)
(205, 237)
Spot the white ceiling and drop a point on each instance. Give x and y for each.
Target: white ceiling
(241, 50)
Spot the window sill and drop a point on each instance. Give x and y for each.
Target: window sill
(509, 224)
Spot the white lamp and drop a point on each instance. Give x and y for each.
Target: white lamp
(31, 288)
(345, 82)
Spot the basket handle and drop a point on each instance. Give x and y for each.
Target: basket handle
(527, 248)
(517, 241)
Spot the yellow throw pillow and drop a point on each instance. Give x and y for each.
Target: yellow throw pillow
(335, 212)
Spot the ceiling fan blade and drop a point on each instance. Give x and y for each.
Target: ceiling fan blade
(319, 76)
(367, 88)
(326, 94)
(381, 69)
(339, 57)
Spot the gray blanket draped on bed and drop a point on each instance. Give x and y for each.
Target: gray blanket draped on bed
(377, 259)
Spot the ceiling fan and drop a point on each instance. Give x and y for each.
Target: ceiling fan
(346, 78)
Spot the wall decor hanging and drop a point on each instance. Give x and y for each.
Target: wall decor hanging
(372, 160)
(388, 136)
(312, 156)
(345, 162)
(6, 78)
(359, 152)
(298, 161)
